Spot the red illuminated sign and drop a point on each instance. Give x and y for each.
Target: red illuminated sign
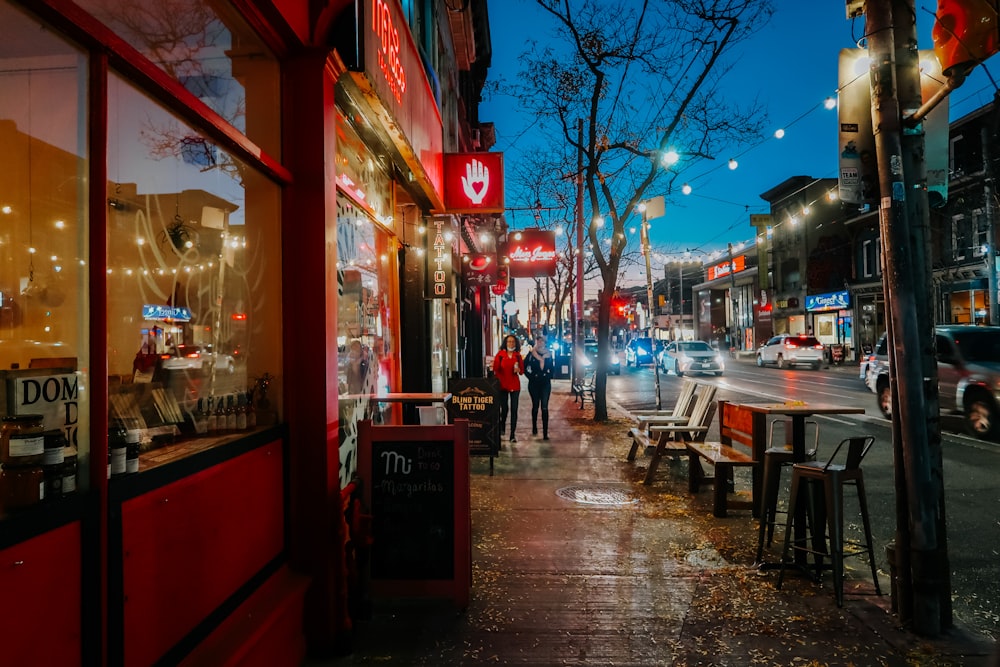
(473, 182)
(722, 269)
(479, 269)
(439, 269)
(533, 254)
(383, 25)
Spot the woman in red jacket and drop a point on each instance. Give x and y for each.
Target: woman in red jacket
(507, 366)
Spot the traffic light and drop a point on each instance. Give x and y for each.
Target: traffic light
(965, 34)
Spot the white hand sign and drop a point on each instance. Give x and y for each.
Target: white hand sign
(476, 181)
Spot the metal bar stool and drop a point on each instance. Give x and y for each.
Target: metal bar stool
(775, 458)
(834, 477)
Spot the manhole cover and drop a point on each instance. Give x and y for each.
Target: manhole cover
(596, 495)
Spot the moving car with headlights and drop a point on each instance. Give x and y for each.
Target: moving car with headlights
(589, 360)
(786, 350)
(968, 365)
(877, 363)
(691, 356)
(196, 357)
(641, 351)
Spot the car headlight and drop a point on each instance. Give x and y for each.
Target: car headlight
(718, 359)
(615, 359)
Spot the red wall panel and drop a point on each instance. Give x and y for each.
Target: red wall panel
(40, 612)
(191, 544)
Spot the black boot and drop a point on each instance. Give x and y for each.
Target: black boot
(545, 425)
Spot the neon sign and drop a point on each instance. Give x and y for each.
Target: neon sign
(388, 55)
(473, 182)
(534, 254)
(439, 269)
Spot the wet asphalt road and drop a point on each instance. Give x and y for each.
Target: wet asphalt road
(971, 467)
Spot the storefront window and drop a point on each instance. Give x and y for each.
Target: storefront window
(194, 314)
(366, 326)
(44, 304)
(211, 51)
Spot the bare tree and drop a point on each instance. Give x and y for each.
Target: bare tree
(644, 76)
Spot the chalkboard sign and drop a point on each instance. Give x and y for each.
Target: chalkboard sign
(416, 482)
(478, 401)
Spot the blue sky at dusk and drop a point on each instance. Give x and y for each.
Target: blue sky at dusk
(790, 68)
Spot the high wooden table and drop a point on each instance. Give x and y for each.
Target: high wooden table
(797, 411)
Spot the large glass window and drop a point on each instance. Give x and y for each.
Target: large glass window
(194, 310)
(368, 352)
(211, 51)
(44, 366)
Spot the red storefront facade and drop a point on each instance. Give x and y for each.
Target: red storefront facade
(207, 222)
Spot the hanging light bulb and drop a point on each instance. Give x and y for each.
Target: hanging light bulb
(686, 189)
(830, 103)
(779, 133)
(733, 163)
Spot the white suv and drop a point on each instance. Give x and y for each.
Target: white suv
(791, 350)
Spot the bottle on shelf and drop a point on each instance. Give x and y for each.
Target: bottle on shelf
(201, 418)
(220, 415)
(241, 413)
(251, 411)
(132, 450)
(117, 444)
(230, 414)
(211, 420)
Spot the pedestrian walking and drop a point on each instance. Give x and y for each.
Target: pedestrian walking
(507, 367)
(538, 367)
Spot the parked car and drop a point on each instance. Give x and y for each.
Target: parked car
(589, 359)
(196, 357)
(691, 356)
(968, 365)
(641, 351)
(791, 350)
(877, 363)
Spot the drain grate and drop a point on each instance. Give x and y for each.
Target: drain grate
(596, 495)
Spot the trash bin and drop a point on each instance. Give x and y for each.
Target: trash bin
(562, 370)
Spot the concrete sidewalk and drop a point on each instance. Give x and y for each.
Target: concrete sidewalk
(575, 562)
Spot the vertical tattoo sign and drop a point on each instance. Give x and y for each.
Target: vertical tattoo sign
(439, 268)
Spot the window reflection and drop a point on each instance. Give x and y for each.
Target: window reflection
(367, 349)
(209, 49)
(43, 229)
(193, 278)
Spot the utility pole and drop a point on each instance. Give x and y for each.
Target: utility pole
(655, 208)
(921, 549)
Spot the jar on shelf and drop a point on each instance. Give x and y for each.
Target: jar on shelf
(21, 440)
(69, 471)
(52, 467)
(21, 486)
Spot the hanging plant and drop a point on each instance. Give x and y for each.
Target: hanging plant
(180, 234)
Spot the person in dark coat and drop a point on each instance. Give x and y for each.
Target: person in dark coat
(539, 365)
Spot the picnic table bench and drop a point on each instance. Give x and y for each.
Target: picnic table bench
(668, 439)
(739, 445)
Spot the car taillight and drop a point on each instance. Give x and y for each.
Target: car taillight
(818, 347)
(790, 346)
(193, 355)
